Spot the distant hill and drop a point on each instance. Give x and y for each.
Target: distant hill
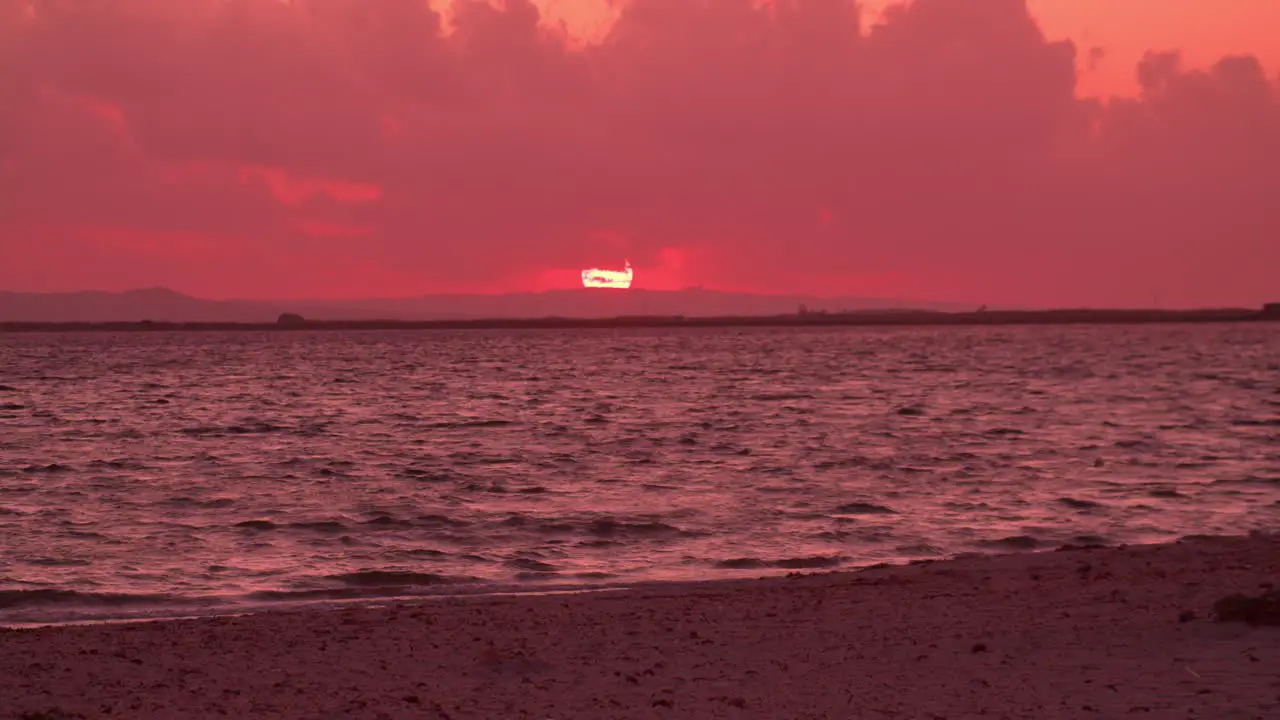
(159, 304)
(156, 304)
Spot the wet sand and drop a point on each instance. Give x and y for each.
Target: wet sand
(1107, 633)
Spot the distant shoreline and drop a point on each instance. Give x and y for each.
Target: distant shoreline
(812, 319)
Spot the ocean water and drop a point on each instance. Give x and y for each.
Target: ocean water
(158, 473)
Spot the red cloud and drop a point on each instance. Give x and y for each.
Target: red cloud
(942, 153)
(291, 189)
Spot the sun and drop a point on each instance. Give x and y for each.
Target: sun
(607, 279)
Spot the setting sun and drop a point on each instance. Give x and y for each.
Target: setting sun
(613, 279)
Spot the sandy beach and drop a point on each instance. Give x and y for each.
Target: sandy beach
(1077, 633)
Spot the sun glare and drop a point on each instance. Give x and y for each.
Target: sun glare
(615, 279)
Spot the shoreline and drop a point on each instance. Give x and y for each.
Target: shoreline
(90, 611)
(196, 610)
(889, 318)
(96, 610)
(1081, 632)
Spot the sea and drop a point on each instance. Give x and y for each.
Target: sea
(161, 474)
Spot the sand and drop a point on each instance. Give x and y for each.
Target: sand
(1105, 633)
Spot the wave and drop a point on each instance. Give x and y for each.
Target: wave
(780, 397)
(257, 525)
(58, 562)
(532, 565)
(464, 424)
(441, 521)
(1075, 504)
(50, 468)
(318, 526)
(1249, 480)
(609, 527)
(600, 527)
(862, 508)
(255, 428)
(387, 521)
(537, 576)
(52, 596)
(799, 563)
(1247, 422)
(120, 464)
(184, 501)
(327, 594)
(1013, 542)
(394, 578)
(424, 475)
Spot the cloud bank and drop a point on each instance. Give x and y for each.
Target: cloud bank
(331, 148)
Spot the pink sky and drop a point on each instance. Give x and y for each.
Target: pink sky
(1029, 152)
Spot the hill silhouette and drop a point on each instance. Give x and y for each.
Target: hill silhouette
(156, 304)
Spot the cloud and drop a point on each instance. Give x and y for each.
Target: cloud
(942, 152)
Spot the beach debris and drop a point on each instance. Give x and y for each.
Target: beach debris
(1262, 609)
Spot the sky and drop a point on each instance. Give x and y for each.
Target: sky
(1006, 152)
